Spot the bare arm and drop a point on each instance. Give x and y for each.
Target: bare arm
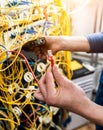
(70, 43)
(90, 111)
(92, 43)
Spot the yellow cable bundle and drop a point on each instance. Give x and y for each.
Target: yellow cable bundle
(23, 23)
(65, 27)
(58, 2)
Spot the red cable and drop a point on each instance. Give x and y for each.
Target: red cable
(45, 13)
(51, 59)
(21, 54)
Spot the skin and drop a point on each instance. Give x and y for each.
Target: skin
(66, 43)
(68, 95)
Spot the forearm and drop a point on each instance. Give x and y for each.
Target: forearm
(92, 43)
(74, 43)
(97, 114)
(91, 111)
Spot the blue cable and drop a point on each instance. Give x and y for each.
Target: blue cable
(15, 2)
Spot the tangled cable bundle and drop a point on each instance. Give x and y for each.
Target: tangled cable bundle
(23, 21)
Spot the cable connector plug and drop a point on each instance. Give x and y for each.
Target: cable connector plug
(50, 57)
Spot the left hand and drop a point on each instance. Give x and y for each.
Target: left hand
(67, 96)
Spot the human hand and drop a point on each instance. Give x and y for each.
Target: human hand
(50, 44)
(67, 96)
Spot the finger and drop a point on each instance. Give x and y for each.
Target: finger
(39, 95)
(59, 77)
(42, 56)
(37, 50)
(40, 51)
(50, 85)
(42, 84)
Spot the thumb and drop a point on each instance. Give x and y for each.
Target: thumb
(59, 77)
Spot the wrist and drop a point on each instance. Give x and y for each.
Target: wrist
(63, 40)
(82, 105)
(91, 111)
(86, 108)
(59, 43)
(95, 113)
